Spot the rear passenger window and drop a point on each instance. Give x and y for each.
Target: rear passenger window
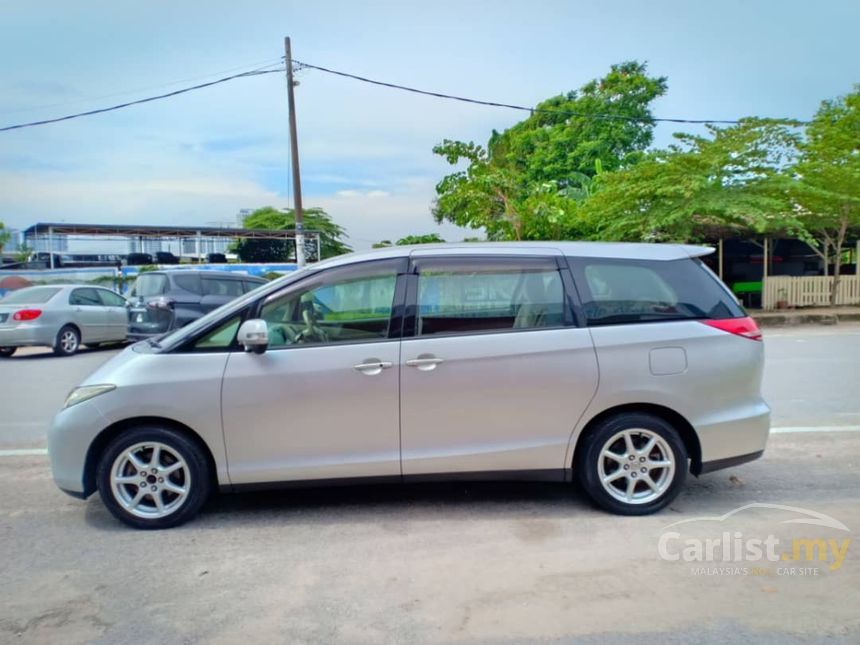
(632, 291)
(111, 299)
(480, 297)
(188, 282)
(85, 297)
(222, 287)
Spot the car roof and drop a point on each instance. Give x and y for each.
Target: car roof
(65, 286)
(610, 250)
(235, 275)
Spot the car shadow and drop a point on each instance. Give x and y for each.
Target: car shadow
(425, 502)
(41, 353)
(376, 503)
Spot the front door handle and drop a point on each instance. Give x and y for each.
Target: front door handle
(372, 367)
(425, 363)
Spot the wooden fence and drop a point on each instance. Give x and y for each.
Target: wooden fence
(809, 291)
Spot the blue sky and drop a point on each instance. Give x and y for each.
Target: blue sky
(365, 151)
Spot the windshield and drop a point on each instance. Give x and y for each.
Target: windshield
(149, 284)
(30, 296)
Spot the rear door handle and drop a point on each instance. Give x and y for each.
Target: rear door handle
(425, 363)
(372, 367)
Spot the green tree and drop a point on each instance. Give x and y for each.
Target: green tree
(518, 186)
(728, 180)
(5, 236)
(429, 238)
(383, 244)
(275, 250)
(826, 184)
(23, 254)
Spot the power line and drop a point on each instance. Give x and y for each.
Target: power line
(302, 65)
(139, 101)
(259, 65)
(452, 97)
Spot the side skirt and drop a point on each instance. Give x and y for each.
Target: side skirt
(545, 475)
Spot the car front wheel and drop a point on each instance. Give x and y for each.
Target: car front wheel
(633, 464)
(153, 478)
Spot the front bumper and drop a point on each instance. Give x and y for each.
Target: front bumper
(69, 439)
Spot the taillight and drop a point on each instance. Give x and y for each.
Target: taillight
(26, 314)
(745, 327)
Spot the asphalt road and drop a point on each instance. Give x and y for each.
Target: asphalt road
(430, 563)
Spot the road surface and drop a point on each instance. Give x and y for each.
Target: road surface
(449, 562)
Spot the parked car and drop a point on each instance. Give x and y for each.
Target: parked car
(216, 258)
(165, 300)
(139, 259)
(166, 257)
(623, 365)
(62, 317)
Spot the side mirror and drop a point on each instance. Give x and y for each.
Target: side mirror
(161, 302)
(254, 335)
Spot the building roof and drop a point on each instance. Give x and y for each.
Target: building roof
(130, 230)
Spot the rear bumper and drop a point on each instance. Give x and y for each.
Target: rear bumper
(25, 335)
(728, 462)
(734, 437)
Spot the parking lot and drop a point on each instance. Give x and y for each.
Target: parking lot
(429, 563)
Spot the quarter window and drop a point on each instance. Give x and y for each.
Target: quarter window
(504, 296)
(632, 291)
(221, 337)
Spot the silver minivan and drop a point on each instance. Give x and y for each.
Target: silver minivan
(622, 365)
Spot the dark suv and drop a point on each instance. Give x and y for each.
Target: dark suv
(165, 300)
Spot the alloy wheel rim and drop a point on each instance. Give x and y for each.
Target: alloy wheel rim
(68, 341)
(636, 466)
(150, 480)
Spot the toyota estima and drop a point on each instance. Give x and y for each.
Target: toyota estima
(623, 365)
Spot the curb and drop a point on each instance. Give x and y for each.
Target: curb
(793, 320)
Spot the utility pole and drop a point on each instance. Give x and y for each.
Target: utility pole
(294, 149)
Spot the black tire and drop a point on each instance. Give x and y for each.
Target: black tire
(591, 459)
(68, 341)
(197, 479)
(6, 352)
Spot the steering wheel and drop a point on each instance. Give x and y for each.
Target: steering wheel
(312, 329)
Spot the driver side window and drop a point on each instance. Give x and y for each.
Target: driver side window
(340, 309)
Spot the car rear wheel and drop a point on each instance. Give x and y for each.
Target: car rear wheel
(6, 352)
(68, 341)
(153, 478)
(633, 464)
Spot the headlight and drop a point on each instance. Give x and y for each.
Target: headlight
(85, 393)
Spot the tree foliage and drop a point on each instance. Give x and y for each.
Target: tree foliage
(519, 185)
(722, 182)
(428, 238)
(5, 236)
(273, 219)
(825, 181)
